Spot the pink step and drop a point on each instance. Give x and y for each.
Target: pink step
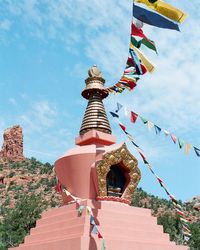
(103, 222)
(123, 228)
(85, 243)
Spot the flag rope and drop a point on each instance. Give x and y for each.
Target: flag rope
(59, 188)
(180, 211)
(176, 140)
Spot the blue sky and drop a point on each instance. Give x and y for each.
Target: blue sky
(46, 48)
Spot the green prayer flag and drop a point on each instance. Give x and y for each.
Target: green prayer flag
(103, 247)
(80, 210)
(135, 42)
(149, 44)
(138, 42)
(180, 143)
(143, 120)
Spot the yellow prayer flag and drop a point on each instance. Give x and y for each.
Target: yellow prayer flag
(150, 125)
(165, 9)
(148, 65)
(130, 137)
(89, 210)
(187, 148)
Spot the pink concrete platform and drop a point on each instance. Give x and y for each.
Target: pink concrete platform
(122, 227)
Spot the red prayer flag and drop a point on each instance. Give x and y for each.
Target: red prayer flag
(137, 32)
(122, 127)
(159, 180)
(173, 138)
(144, 70)
(143, 156)
(131, 63)
(131, 83)
(58, 187)
(100, 236)
(179, 212)
(134, 117)
(173, 199)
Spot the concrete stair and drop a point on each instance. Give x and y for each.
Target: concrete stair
(122, 227)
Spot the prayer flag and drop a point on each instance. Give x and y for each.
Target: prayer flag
(173, 199)
(130, 137)
(135, 144)
(122, 127)
(149, 44)
(166, 132)
(173, 138)
(137, 32)
(92, 221)
(143, 156)
(186, 233)
(114, 114)
(152, 18)
(179, 207)
(131, 83)
(165, 9)
(89, 210)
(123, 84)
(179, 212)
(145, 61)
(137, 42)
(187, 148)
(160, 181)
(134, 117)
(58, 187)
(183, 220)
(143, 120)
(157, 129)
(94, 230)
(125, 111)
(131, 63)
(180, 143)
(150, 125)
(103, 245)
(136, 61)
(197, 151)
(144, 70)
(186, 228)
(129, 70)
(80, 210)
(119, 106)
(100, 236)
(67, 192)
(166, 190)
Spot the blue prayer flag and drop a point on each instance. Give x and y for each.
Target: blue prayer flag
(114, 114)
(197, 151)
(153, 18)
(157, 129)
(94, 230)
(136, 61)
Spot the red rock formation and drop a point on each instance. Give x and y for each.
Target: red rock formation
(12, 149)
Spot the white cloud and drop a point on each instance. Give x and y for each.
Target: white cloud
(40, 116)
(101, 29)
(12, 101)
(5, 25)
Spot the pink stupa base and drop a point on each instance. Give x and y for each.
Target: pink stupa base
(123, 228)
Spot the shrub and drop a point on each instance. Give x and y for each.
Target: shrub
(19, 220)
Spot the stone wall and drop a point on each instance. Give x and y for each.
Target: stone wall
(12, 149)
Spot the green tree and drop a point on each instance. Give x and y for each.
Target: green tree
(19, 220)
(195, 238)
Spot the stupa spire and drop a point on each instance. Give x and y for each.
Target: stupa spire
(95, 116)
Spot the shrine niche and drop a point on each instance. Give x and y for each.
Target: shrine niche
(117, 175)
